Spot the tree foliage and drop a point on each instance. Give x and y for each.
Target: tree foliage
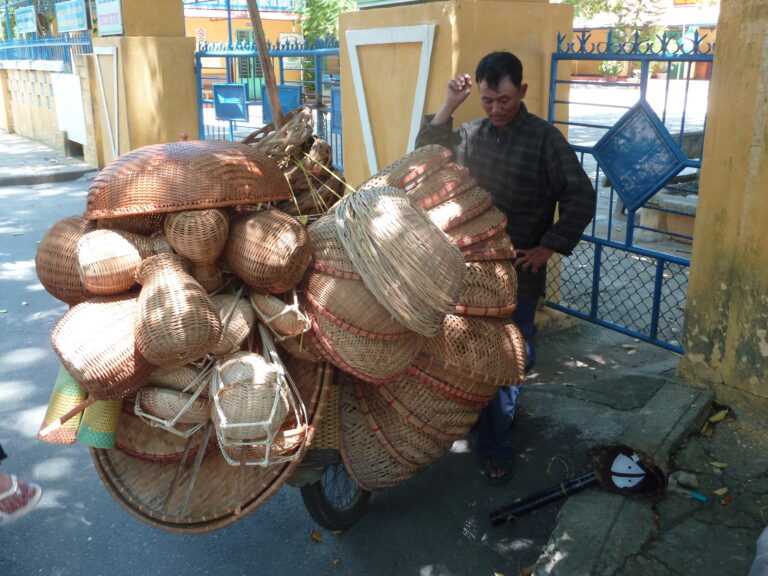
(626, 13)
(320, 18)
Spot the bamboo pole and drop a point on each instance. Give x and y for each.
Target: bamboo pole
(266, 64)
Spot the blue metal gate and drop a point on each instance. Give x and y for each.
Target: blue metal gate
(640, 138)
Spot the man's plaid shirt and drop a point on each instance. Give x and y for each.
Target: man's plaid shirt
(529, 168)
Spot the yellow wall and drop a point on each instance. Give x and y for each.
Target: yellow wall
(726, 322)
(466, 31)
(153, 18)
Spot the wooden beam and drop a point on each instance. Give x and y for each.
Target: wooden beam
(266, 63)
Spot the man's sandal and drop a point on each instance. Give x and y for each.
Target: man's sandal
(497, 471)
(26, 505)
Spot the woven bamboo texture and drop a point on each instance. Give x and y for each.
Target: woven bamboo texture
(326, 434)
(490, 289)
(67, 394)
(171, 405)
(316, 194)
(237, 321)
(411, 169)
(352, 302)
(497, 247)
(96, 343)
(302, 347)
(405, 261)
(174, 377)
(328, 253)
(280, 142)
(484, 226)
(98, 426)
(56, 260)
(466, 393)
(365, 458)
(144, 224)
(154, 492)
(447, 182)
(109, 259)
(460, 208)
(191, 175)
(209, 276)
(199, 235)
(268, 250)
(177, 321)
(282, 318)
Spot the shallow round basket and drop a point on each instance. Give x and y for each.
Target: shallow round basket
(237, 321)
(199, 235)
(190, 175)
(217, 494)
(352, 302)
(490, 289)
(497, 247)
(487, 224)
(168, 404)
(268, 250)
(56, 261)
(283, 318)
(95, 340)
(393, 244)
(447, 182)
(465, 392)
(460, 208)
(328, 254)
(373, 357)
(411, 169)
(365, 458)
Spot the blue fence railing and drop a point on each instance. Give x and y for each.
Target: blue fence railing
(53, 48)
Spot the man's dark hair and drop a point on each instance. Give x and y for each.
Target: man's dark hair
(496, 65)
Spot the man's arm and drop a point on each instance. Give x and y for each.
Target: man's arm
(438, 129)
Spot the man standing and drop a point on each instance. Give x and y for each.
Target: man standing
(530, 170)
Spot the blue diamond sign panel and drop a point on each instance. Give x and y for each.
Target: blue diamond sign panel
(639, 155)
(230, 102)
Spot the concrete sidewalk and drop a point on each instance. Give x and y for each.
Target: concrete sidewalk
(591, 386)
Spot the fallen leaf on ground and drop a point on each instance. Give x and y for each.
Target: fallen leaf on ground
(721, 491)
(718, 416)
(315, 535)
(336, 561)
(719, 464)
(629, 347)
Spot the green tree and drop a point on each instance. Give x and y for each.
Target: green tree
(320, 18)
(628, 14)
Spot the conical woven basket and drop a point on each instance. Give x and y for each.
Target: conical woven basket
(98, 426)
(56, 260)
(95, 341)
(352, 302)
(449, 181)
(209, 276)
(144, 224)
(283, 318)
(237, 321)
(177, 321)
(460, 208)
(411, 169)
(191, 175)
(328, 254)
(490, 289)
(268, 250)
(199, 235)
(67, 394)
(486, 225)
(497, 247)
(404, 259)
(109, 259)
(173, 405)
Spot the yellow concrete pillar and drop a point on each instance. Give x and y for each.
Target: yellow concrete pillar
(390, 65)
(726, 321)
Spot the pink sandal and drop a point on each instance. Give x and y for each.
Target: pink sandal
(27, 504)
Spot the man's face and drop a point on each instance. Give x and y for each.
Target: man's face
(502, 104)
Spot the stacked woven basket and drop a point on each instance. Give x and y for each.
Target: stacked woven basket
(193, 258)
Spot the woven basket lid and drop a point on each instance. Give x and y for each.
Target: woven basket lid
(460, 208)
(352, 302)
(328, 253)
(497, 247)
(237, 321)
(284, 318)
(475, 350)
(393, 244)
(144, 224)
(95, 340)
(56, 260)
(411, 169)
(449, 181)
(365, 458)
(189, 175)
(268, 250)
(199, 235)
(483, 226)
(219, 494)
(373, 357)
(168, 404)
(490, 289)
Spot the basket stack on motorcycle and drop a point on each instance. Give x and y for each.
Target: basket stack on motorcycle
(234, 307)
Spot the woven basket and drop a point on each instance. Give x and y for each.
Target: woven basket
(497, 247)
(316, 194)
(373, 357)
(56, 260)
(365, 458)
(313, 160)
(484, 226)
(179, 378)
(283, 318)
(177, 321)
(427, 409)
(109, 259)
(95, 341)
(280, 142)
(98, 426)
(411, 169)
(302, 347)
(352, 302)
(460, 208)
(449, 181)
(209, 276)
(328, 254)
(404, 259)
(192, 175)
(268, 250)
(475, 351)
(200, 235)
(237, 321)
(469, 394)
(144, 224)
(66, 395)
(172, 405)
(490, 289)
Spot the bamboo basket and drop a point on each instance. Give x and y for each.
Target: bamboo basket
(460, 208)
(497, 247)
(328, 254)
(209, 276)
(67, 394)
(469, 394)
(490, 289)
(144, 224)
(56, 260)
(447, 182)
(179, 378)
(486, 225)
(237, 322)
(199, 235)
(411, 169)
(283, 319)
